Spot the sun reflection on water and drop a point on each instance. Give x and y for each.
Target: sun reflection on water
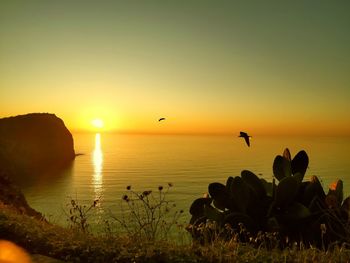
(97, 162)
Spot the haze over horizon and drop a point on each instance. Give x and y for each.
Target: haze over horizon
(266, 67)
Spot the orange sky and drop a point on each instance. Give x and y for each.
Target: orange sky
(216, 68)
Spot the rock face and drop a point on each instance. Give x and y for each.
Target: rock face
(33, 143)
(11, 195)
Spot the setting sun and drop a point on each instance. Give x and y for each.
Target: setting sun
(97, 123)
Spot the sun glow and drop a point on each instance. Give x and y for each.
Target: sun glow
(97, 123)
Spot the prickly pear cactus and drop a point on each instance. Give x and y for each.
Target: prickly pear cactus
(299, 210)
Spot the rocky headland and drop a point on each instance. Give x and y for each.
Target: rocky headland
(34, 143)
(29, 145)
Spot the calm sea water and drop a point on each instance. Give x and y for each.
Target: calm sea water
(110, 162)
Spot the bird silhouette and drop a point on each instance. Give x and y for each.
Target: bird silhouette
(245, 136)
(161, 119)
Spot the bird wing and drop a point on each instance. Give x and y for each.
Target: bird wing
(246, 138)
(161, 119)
(243, 134)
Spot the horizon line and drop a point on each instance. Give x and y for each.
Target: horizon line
(134, 132)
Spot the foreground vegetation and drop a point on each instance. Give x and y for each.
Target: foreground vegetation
(74, 245)
(230, 225)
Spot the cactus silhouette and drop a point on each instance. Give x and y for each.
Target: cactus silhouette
(298, 210)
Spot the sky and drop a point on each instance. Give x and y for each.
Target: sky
(213, 67)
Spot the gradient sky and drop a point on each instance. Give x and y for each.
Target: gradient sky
(267, 67)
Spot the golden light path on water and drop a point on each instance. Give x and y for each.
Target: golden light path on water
(98, 165)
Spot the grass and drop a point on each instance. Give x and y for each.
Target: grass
(77, 246)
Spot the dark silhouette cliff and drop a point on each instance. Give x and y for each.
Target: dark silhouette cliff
(34, 143)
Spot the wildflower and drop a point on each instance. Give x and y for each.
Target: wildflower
(128, 187)
(170, 184)
(146, 193)
(125, 198)
(160, 188)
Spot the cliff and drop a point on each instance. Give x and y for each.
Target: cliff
(11, 195)
(33, 143)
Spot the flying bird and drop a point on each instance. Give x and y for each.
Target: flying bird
(161, 119)
(246, 137)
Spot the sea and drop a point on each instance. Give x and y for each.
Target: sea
(108, 163)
